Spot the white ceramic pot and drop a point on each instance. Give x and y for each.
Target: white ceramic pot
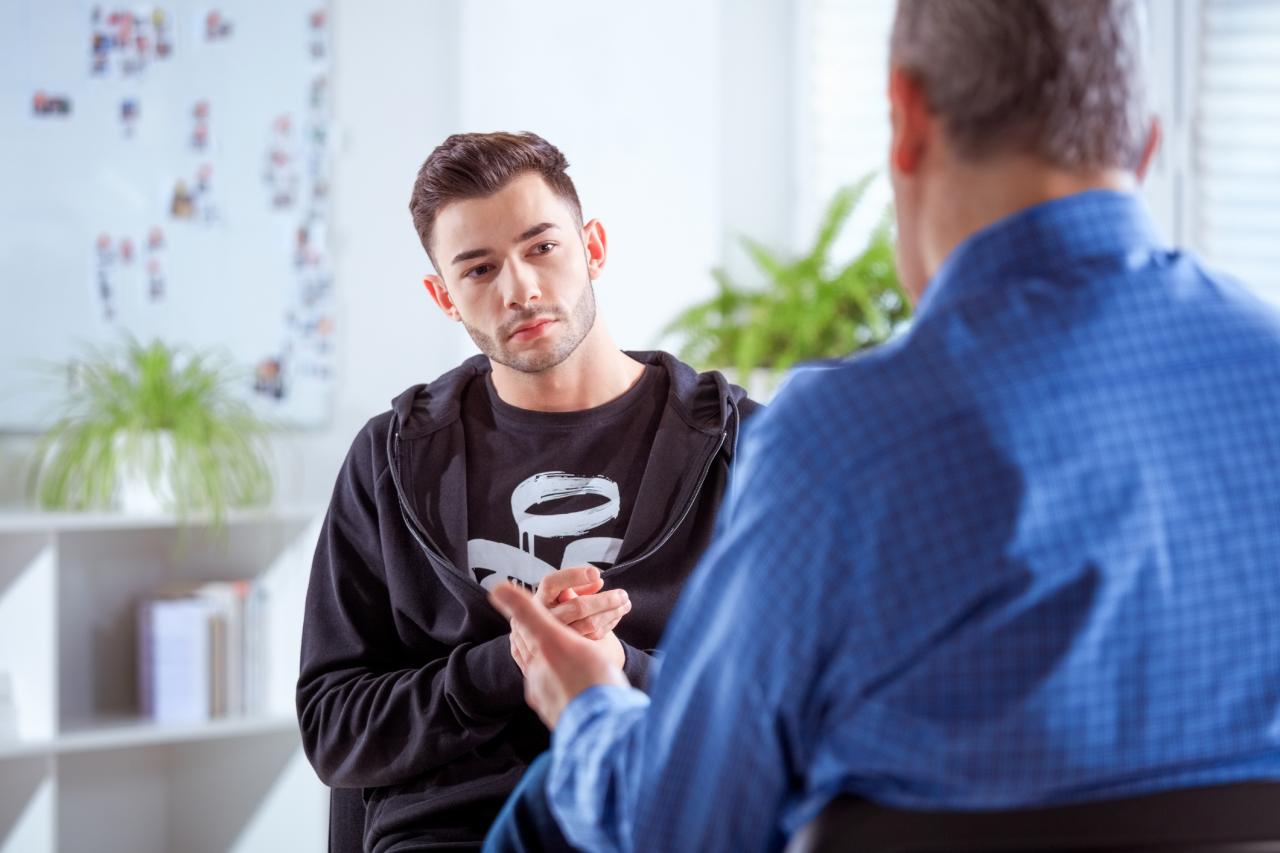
(144, 484)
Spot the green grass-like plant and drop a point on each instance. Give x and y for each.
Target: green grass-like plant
(808, 308)
(120, 400)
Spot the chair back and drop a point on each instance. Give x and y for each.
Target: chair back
(346, 820)
(1240, 818)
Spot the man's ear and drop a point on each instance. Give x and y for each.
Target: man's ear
(435, 286)
(910, 120)
(597, 245)
(1149, 148)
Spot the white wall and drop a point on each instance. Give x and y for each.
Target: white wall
(760, 141)
(630, 93)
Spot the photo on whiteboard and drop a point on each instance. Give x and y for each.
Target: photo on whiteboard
(206, 209)
(129, 111)
(200, 129)
(44, 105)
(100, 49)
(268, 378)
(319, 95)
(306, 249)
(183, 204)
(102, 276)
(321, 335)
(318, 44)
(156, 284)
(163, 33)
(155, 280)
(280, 169)
(216, 27)
(194, 202)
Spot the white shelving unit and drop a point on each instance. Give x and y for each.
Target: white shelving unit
(86, 772)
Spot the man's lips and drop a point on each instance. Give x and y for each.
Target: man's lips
(532, 330)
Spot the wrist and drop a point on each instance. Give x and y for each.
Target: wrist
(617, 654)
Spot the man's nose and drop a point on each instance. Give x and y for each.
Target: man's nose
(521, 285)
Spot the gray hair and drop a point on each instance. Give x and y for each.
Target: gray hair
(1059, 79)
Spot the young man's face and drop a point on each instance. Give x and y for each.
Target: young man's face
(516, 271)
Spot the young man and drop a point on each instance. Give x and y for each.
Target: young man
(1023, 555)
(553, 460)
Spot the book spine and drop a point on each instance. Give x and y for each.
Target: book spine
(146, 661)
(217, 665)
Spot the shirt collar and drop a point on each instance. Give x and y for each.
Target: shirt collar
(1043, 237)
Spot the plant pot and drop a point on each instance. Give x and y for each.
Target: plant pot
(144, 482)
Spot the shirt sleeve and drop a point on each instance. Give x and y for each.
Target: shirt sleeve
(593, 758)
(712, 758)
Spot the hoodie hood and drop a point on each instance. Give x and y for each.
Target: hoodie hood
(705, 401)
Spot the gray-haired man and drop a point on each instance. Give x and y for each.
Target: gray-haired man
(1023, 555)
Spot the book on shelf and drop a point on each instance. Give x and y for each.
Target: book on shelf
(200, 650)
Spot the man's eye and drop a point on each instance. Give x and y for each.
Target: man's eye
(476, 272)
(544, 248)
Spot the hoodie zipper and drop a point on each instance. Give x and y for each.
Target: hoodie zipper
(693, 498)
(410, 518)
(671, 531)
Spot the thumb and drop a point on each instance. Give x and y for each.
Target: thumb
(589, 588)
(551, 587)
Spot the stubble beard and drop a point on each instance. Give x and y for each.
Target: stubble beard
(577, 325)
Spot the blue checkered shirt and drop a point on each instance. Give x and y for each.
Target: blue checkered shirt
(1028, 553)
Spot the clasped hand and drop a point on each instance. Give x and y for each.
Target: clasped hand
(562, 636)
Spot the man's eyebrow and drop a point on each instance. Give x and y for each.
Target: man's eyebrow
(472, 254)
(534, 231)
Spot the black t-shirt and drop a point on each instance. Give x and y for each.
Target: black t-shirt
(550, 490)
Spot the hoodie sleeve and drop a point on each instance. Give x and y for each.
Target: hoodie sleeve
(369, 715)
(636, 665)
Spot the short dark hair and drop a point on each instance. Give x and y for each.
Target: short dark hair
(475, 165)
(1058, 79)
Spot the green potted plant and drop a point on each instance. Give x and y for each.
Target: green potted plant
(808, 307)
(152, 428)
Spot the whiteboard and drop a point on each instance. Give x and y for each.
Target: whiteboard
(165, 174)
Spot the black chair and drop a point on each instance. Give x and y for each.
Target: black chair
(346, 820)
(1241, 818)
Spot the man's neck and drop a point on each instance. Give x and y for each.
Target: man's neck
(972, 197)
(595, 373)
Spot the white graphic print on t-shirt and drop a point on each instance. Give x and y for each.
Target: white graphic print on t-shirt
(521, 564)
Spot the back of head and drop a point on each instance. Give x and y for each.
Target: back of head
(476, 165)
(1061, 80)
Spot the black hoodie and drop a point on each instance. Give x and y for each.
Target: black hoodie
(407, 686)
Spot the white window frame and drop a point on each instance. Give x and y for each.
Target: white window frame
(1173, 70)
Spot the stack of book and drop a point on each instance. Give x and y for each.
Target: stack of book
(201, 651)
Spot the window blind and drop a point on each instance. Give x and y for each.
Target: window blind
(1236, 128)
